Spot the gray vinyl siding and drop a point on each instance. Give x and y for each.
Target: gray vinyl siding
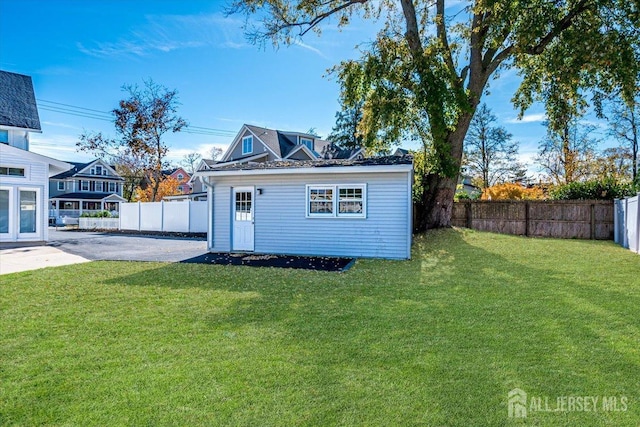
(282, 227)
(258, 148)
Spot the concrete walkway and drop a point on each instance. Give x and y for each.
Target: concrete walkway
(34, 257)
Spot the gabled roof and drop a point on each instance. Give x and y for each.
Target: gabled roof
(18, 106)
(78, 167)
(55, 166)
(281, 143)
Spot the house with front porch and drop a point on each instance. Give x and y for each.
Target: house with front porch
(85, 188)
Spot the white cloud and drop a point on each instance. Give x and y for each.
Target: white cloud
(167, 33)
(529, 118)
(310, 48)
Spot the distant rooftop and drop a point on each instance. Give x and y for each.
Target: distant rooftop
(18, 106)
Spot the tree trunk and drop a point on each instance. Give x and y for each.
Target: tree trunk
(436, 206)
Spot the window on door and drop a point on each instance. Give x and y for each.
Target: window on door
(243, 206)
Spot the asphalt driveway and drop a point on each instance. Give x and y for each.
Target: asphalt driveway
(97, 246)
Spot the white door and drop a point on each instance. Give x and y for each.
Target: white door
(29, 213)
(242, 212)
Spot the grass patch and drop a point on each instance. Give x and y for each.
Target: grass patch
(438, 340)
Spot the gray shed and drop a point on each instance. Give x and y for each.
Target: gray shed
(356, 208)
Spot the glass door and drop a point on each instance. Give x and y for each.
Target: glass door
(29, 213)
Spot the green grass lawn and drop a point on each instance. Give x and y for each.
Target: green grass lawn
(438, 340)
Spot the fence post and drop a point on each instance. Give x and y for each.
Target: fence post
(188, 216)
(468, 214)
(161, 215)
(592, 220)
(527, 217)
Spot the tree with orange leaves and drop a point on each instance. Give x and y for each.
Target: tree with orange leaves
(167, 187)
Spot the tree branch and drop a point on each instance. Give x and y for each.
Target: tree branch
(562, 25)
(441, 32)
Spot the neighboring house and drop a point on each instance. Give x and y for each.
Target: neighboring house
(258, 144)
(85, 188)
(327, 207)
(24, 176)
(182, 176)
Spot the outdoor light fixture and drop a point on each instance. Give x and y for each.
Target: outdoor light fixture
(260, 191)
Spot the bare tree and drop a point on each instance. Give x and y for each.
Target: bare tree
(190, 162)
(489, 153)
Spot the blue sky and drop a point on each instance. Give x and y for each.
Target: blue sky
(80, 53)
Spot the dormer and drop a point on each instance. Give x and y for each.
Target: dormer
(306, 141)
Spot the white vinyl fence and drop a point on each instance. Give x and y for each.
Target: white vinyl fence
(182, 217)
(98, 223)
(627, 223)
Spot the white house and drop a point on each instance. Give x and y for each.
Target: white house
(326, 207)
(24, 176)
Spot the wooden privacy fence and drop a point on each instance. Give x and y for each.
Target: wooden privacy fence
(565, 219)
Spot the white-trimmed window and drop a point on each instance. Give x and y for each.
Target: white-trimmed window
(308, 142)
(61, 185)
(9, 171)
(98, 170)
(112, 187)
(180, 177)
(337, 201)
(247, 145)
(320, 201)
(84, 185)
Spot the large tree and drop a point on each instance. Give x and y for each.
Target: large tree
(489, 153)
(430, 64)
(141, 121)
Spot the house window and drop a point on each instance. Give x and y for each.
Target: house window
(247, 145)
(336, 201)
(180, 177)
(308, 142)
(351, 201)
(99, 187)
(61, 185)
(7, 171)
(320, 201)
(4, 136)
(98, 170)
(92, 171)
(112, 187)
(84, 185)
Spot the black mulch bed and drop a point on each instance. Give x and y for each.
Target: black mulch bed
(280, 261)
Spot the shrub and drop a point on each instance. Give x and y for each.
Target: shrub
(97, 214)
(593, 190)
(511, 192)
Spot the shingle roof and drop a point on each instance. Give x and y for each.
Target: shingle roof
(281, 143)
(297, 164)
(18, 106)
(77, 167)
